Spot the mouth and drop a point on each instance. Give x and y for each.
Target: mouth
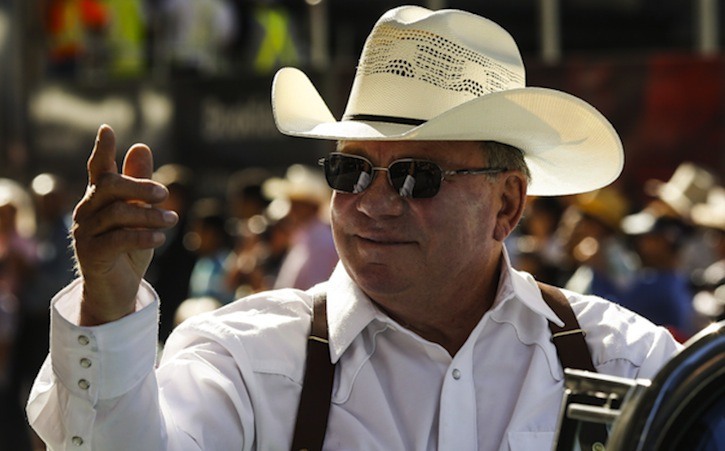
(383, 241)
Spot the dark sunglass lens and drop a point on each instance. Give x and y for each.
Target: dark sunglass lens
(416, 179)
(347, 173)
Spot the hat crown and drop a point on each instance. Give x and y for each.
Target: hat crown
(688, 185)
(417, 64)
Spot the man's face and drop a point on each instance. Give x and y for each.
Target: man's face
(395, 246)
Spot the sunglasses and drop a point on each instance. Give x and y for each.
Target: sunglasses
(417, 179)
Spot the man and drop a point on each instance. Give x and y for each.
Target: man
(311, 256)
(660, 290)
(438, 342)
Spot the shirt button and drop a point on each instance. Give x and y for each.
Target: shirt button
(86, 363)
(77, 441)
(83, 340)
(456, 374)
(84, 384)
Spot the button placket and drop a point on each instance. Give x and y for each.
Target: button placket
(457, 425)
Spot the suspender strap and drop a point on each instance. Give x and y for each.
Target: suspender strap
(316, 394)
(573, 352)
(569, 340)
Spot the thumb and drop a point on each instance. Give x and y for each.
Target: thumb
(103, 157)
(139, 162)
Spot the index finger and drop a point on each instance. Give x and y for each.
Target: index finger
(103, 157)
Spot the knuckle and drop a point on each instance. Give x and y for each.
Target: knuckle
(106, 180)
(153, 216)
(116, 210)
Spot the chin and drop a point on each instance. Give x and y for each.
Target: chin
(379, 279)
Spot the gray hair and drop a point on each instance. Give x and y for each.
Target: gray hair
(506, 156)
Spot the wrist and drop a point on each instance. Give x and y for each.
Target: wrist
(96, 310)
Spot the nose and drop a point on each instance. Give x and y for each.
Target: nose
(375, 170)
(380, 199)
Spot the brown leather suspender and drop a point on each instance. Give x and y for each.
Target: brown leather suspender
(573, 352)
(314, 404)
(316, 394)
(569, 340)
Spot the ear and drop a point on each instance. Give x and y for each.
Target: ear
(512, 196)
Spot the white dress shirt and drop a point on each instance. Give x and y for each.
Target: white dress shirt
(231, 379)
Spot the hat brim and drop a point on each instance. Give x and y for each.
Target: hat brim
(569, 146)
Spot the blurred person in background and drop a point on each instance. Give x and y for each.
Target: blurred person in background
(688, 186)
(660, 290)
(311, 256)
(209, 239)
(535, 246)
(601, 261)
(260, 249)
(73, 29)
(194, 35)
(54, 269)
(18, 251)
(709, 283)
(170, 269)
(272, 37)
(244, 194)
(18, 261)
(126, 37)
(249, 225)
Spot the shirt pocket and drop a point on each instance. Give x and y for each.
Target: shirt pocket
(530, 441)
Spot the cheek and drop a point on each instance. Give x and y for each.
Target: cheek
(463, 221)
(340, 206)
(341, 214)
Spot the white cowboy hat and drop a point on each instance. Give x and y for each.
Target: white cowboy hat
(300, 183)
(452, 75)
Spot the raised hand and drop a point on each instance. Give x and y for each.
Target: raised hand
(116, 226)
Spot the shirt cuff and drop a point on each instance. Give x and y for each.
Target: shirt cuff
(106, 361)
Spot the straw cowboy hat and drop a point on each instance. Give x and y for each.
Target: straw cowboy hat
(711, 213)
(689, 185)
(300, 183)
(452, 75)
(607, 205)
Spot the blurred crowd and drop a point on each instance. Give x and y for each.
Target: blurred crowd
(663, 258)
(129, 38)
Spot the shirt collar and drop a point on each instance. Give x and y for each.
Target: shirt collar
(349, 310)
(522, 286)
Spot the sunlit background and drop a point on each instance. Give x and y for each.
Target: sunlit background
(192, 77)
